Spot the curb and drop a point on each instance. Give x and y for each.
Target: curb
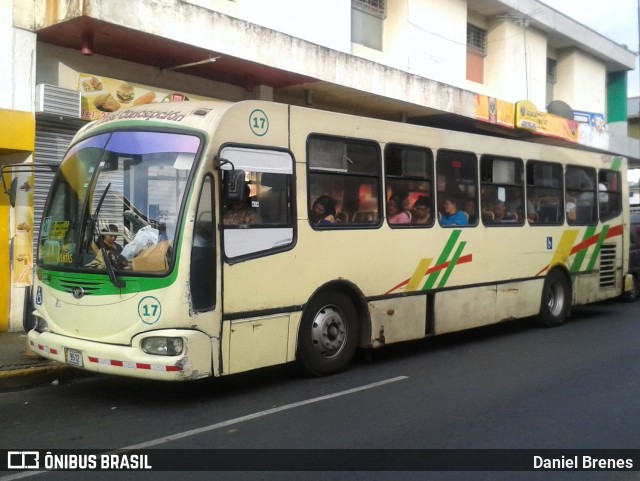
(15, 379)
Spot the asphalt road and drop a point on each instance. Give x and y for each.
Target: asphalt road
(510, 386)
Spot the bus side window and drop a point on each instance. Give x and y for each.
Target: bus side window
(502, 191)
(609, 194)
(409, 182)
(580, 188)
(344, 182)
(545, 205)
(457, 184)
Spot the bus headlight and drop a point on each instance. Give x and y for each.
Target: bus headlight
(163, 346)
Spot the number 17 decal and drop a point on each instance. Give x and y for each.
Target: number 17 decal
(149, 310)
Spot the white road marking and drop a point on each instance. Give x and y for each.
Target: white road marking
(249, 417)
(230, 422)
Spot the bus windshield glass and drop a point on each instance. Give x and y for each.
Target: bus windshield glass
(118, 196)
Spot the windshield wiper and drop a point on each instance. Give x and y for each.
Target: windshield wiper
(107, 261)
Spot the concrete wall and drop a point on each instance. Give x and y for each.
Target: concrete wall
(516, 63)
(17, 58)
(60, 66)
(581, 81)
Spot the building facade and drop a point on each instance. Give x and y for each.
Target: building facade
(427, 61)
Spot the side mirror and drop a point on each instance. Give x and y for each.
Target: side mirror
(234, 191)
(12, 191)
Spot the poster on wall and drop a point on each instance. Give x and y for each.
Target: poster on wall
(22, 247)
(495, 111)
(102, 95)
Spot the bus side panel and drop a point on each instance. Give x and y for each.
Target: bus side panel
(256, 343)
(455, 312)
(398, 319)
(518, 299)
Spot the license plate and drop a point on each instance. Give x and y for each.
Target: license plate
(73, 357)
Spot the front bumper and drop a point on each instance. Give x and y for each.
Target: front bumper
(195, 361)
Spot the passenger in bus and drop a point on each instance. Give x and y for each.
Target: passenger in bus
(422, 211)
(323, 211)
(472, 211)
(396, 212)
(500, 213)
(450, 215)
(240, 213)
(571, 210)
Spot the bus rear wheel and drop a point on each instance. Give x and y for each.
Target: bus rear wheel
(328, 334)
(556, 300)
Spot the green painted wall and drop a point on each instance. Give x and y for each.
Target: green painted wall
(617, 97)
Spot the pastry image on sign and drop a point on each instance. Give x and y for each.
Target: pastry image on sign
(106, 103)
(147, 98)
(91, 84)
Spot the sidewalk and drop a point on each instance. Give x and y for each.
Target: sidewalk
(20, 367)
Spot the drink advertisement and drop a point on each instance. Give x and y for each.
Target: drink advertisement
(102, 95)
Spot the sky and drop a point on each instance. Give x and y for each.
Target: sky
(615, 19)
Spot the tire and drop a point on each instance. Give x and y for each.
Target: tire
(632, 295)
(328, 334)
(556, 300)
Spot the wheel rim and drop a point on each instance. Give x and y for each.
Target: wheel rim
(329, 332)
(555, 301)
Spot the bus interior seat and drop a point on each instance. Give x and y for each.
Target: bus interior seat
(548, 214)
(365, 217)
(342, 217)
(584, 214)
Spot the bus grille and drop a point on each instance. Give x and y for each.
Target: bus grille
(608, 266)
(88, 287)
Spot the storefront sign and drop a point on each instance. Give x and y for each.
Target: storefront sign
(542, 123)
(102, 95)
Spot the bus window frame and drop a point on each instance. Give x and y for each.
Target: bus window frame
(441, 195)
(617, 193)
(594, 218)
(292, 224)
(512, 186)
(344, 173)
(430, 169)
(561, 204)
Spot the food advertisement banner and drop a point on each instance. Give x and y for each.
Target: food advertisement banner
(103, 95)
(22, 246)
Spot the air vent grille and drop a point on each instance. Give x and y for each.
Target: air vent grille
(607, 266)
(51, 99)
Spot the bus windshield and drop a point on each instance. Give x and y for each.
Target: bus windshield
(115, 202)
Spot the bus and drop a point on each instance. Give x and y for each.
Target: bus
(206, 238)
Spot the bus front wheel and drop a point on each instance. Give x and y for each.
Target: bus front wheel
(556, 300)
(328, 334)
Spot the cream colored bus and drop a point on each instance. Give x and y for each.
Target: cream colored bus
(194, 239)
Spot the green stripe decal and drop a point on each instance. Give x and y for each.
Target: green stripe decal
(444, 255)
(580, 255)
(452, 264)
(616, 164)
(596, 251)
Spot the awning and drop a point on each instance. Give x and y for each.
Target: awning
(18, 132)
